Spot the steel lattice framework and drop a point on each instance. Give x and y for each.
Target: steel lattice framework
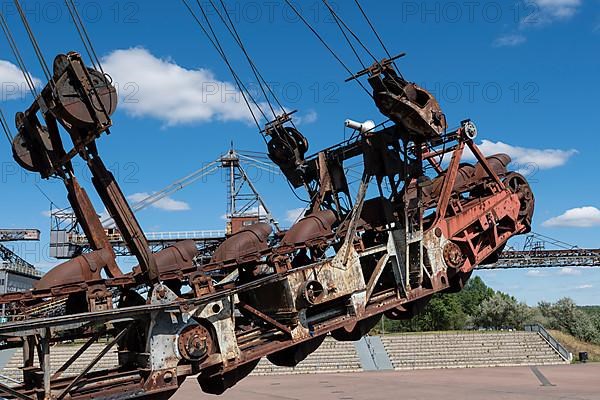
(546, 259)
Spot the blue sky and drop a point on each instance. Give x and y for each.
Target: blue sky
(526, 72)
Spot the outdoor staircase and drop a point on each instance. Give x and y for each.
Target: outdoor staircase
(469, 350)
(11, 373)
(405, 351)
(331, 357)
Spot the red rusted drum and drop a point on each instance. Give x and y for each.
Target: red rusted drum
(315, 226)
(85, 268)
(252, 240)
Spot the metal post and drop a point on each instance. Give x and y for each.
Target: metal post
(76, 355)
(407, 224)
(46, 367)
(232, 189)
(259, 199)
(28, 354)
(4, 290)
(356, 211)
(91, 365)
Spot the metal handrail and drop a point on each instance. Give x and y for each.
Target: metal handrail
(555, 344)
(157, 236)
(213, 234)
(21, 269)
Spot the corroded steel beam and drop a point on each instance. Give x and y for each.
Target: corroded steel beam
(347, 262)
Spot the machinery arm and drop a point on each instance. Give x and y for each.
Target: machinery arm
(337, 270)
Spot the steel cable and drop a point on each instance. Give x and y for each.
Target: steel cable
(81, 34)
(314, 31)
(259, 77)
(226, 59)
(6, 128)
(19, 59)
(85, 32)
(377, 35)
(337, 21)
(233, 31)
(34, 43)
(338, 18)
(375, 59)
(235, 76)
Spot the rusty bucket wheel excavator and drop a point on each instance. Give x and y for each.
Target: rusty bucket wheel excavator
(338, 269)
(419, 222)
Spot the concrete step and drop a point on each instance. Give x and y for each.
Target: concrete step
(60, 354)
(331, 357)
(468, 355)
(465, 350)
(473, 358)
(405, 351)
(455, 346)
(474, 365)
(468, 351)
(465, 336)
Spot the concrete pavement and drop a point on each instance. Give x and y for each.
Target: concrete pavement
(577, 382)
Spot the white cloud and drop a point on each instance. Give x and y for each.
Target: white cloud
(510, 40)
(558, 8)
(541, 12)
(582, 217)
(587, 286)
(292, 216)
(538, 13)
(106, 219)
(536, 273)
(569, 271)
(309, 118)
(165, 204)
(13, 82)
(159, 88)
(526, 159)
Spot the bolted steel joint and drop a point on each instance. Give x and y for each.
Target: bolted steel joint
(312, 292)
(194, 343)
(453, 255)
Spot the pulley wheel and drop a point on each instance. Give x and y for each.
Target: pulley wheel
(73, 108)
(517, 184)
(26, 158)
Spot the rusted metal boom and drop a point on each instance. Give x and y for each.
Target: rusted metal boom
(415, 227)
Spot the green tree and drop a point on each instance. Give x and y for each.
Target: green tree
(501, 311)
(476, 305)
(566, 316)
(443, 313)
(474, 293)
